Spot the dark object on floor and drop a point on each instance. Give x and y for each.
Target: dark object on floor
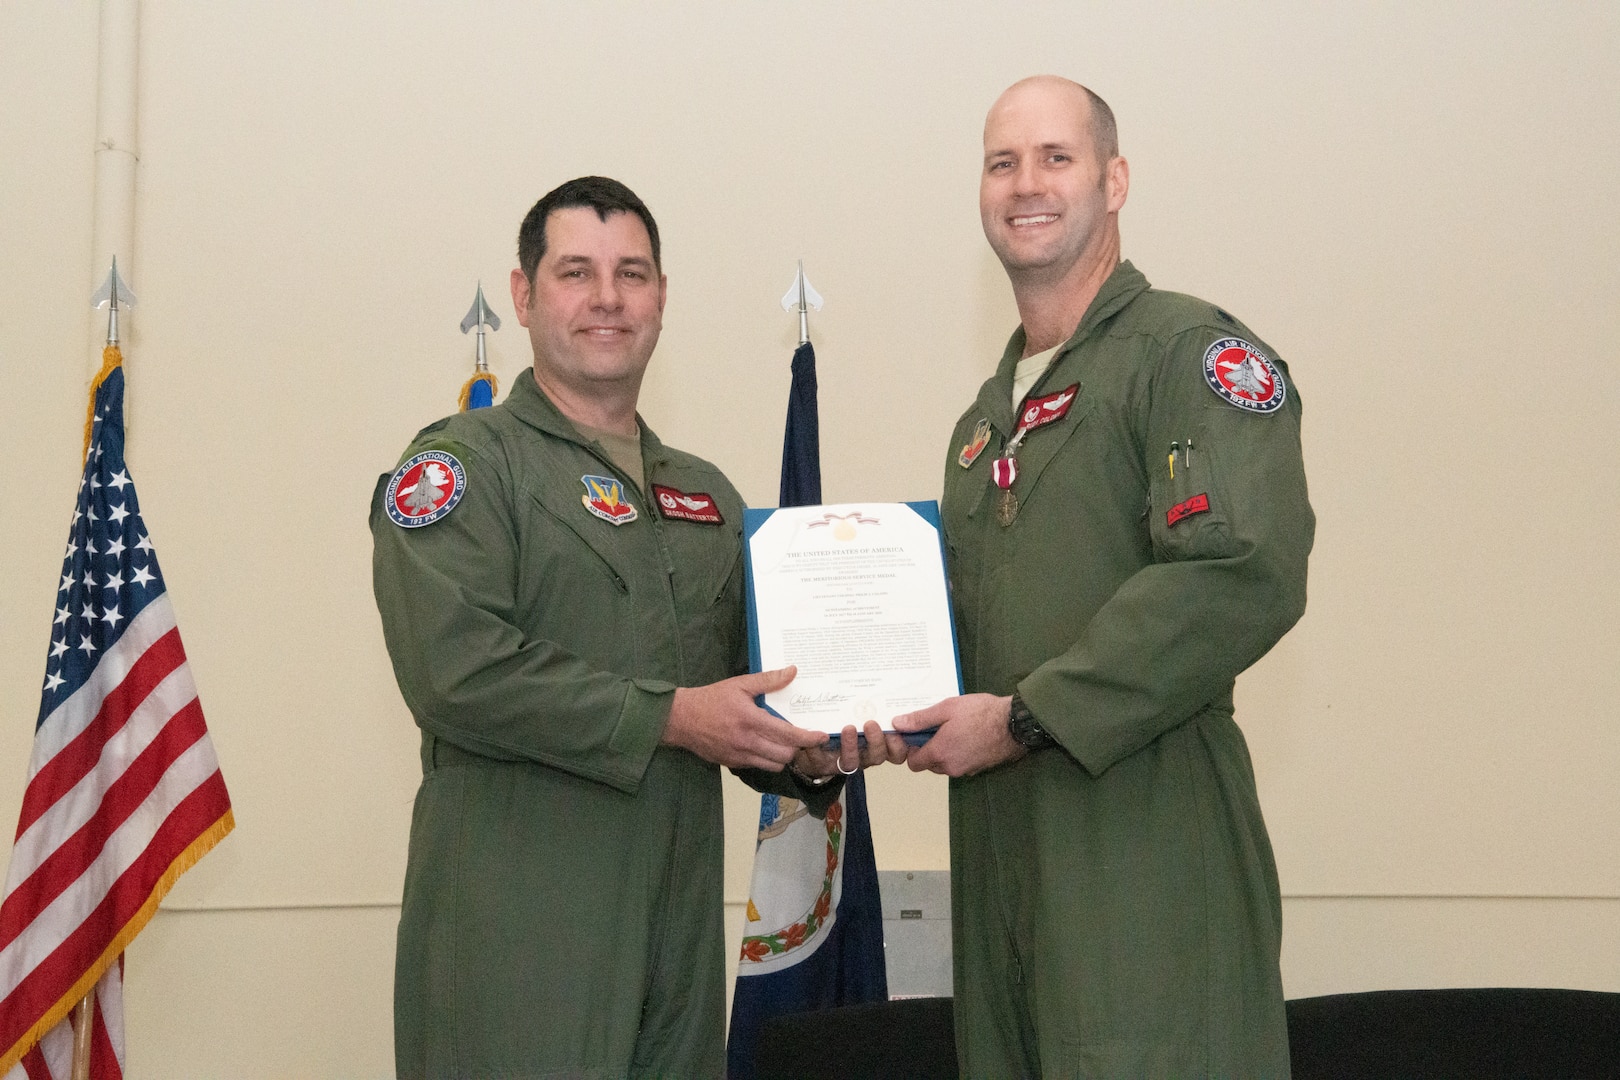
(910, 1039)
(1468, 1034)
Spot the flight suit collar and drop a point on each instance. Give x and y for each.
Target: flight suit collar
(995, 397)
(530, 404)
(1125, 284)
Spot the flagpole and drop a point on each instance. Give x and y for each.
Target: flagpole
(116, 151)
(83, 1014)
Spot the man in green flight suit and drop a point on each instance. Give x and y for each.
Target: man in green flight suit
(1127, 529)
(561, 598)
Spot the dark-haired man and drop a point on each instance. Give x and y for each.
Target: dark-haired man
(561, 598)
(1127, 527)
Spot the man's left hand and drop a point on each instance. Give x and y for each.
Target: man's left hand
(851, 757)
(972, 735)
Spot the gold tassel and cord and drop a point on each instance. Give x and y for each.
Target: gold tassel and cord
(482, 376)
(110, 358)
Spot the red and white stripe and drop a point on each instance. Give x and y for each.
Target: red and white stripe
(52, 1057)
(124, 793)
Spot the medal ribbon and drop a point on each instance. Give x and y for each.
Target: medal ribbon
(1035, 413)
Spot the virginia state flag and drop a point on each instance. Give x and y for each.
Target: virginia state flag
(813, 932)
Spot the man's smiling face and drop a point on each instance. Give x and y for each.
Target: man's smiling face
(1044, 197)
(595, 307)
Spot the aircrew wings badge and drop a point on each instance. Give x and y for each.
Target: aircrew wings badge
(604, 497)
(970, 451)
(1244, 376)
(425, 489)
(680, 506)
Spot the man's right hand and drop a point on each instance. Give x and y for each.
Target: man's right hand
(721, 723)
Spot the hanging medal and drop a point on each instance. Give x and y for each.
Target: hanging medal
(1036, 413)
(1004, 470)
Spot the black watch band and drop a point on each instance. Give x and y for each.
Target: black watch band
(1025, 729)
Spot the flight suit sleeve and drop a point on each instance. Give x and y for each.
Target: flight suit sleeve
(1231, 532)
(465, 666)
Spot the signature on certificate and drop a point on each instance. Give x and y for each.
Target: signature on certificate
(825, 698)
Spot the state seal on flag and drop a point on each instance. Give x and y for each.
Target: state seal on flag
(1244, 376)
(425, 489)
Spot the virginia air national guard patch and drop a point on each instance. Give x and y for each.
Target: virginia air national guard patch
(604, 497)
(425, 489)
(1244, 376)
(970, 452)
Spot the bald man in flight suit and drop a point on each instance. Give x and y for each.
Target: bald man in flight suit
(1127, 530)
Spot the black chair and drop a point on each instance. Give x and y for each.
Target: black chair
(1467, 1034)
(909, 1039)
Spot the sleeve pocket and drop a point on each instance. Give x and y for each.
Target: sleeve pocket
(1187, 511)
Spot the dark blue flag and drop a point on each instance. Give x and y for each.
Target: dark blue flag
(813, 931)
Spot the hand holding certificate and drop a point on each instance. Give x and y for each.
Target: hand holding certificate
(854, 596)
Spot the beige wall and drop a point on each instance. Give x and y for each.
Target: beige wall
(1413, 208)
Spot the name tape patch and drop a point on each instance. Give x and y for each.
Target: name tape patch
(698, 506)
(1038, 412)
(1242, 375)
(425, 489)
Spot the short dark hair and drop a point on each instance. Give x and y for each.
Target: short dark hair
(600, 193)
(1104, 131)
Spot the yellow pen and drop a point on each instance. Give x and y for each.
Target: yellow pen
(1173, 448)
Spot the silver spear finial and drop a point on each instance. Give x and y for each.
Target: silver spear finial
(112, 293)
(480, 316)
(801, 296)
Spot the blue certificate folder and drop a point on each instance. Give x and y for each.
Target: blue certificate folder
(928, 510)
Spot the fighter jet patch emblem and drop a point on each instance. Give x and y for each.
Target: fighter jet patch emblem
(1244, 376)
(425, 489)
(1198, 504)
(970, 452)
(680, 506)
(604, 497)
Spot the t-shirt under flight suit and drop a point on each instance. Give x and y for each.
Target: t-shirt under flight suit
(1115, 900)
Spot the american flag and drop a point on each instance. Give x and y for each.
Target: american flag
(124, 792)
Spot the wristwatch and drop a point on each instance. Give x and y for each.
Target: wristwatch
(1025, 729)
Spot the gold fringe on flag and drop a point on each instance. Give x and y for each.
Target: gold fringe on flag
(86, 983)
(110, 358)
(482, 376)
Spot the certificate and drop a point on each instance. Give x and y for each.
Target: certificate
(854, 595)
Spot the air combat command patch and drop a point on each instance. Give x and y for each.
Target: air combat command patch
(604, 497)
(425, 489)
(1244, 376)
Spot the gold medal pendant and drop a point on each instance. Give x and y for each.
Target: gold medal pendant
(1006, 508)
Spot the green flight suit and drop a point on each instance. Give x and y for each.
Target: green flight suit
(562, 906)
(1115, 901)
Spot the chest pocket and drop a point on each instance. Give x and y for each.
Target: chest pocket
(1187, 512)
(707, 579)
(577, 583)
